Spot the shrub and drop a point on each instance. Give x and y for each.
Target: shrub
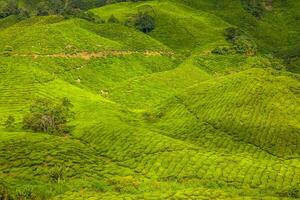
(89, 16)
(56, 174)
(10, 122)
(7, 51)
(4, 193)
(57, 6)
(42, 9)
(293, 192)
(254, 7)
(222, 50)
(23, 14)
(241, 42)
(25, 192)
(112, 19)
(10, 8)
(144, 22)
(47, 117)
(245, 46)
(125, 184)
(232, 33)
(84, 4)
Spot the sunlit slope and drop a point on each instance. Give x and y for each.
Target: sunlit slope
(255, 106)
(129, 37)
(177, 26)
(147, 91)
(152, 89)
(157, 116)
(276, 31)
(53, 38)
(52, 35)
(28, 161)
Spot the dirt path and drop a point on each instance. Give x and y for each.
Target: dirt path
(102, 54)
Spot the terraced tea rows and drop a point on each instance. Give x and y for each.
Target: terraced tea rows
(244, 107)
(158, 115)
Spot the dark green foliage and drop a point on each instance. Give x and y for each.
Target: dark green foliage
(56, 173)
(117, 1)
(42, 9)
(89, 16)
(47, 117)
(10, 122)
(7, 50)
(144, 22)
(124, 184)
(242, 43)
(232, 33)
(63, 6)
(57, 6)
(255, 7)
(9, 8)
(293, 192)
(112, 19)
(23, 14)
(151, 116)
(46, 7)
(245, 46)
(86, 4)
(24, 193)
(51, 7)
(223, 50)
(4, 193)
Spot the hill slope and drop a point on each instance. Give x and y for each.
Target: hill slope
(163, 115)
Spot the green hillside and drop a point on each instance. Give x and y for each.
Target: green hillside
(160, 99)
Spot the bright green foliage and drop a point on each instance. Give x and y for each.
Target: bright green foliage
(203, 106)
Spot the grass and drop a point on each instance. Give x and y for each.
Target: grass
(158, 116)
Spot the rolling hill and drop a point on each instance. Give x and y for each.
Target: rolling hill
(176, 113)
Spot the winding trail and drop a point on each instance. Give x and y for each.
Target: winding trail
(101, 54)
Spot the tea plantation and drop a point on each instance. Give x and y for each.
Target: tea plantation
(170, 99)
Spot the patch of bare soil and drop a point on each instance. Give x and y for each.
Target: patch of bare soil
(102, 54)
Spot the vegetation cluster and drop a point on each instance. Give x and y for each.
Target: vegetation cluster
(47, 117)
(157, 99)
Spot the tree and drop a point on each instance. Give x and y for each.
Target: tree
(254, 7)
(23, 14)
(48, 117)
(57, 6)
(42, 9)
(241, 42)
(245, 46)
(10, 8)
(144, 22)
